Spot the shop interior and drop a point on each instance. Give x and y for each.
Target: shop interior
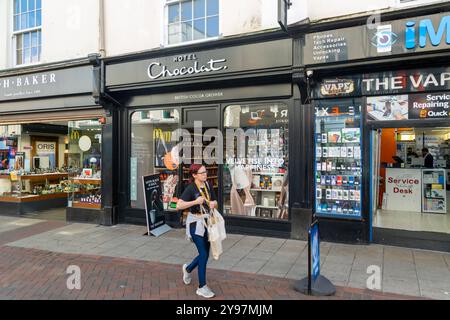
(409, 192)
(47, 166)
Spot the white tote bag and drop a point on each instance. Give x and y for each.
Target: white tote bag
(216, 232)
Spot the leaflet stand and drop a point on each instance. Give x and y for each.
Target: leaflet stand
(314, 284)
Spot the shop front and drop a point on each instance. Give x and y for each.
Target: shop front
(53, 144)
(228, 107)
(382, 132)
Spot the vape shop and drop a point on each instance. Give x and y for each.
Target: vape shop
(230, 106)
(384, 160)
(51, 144)
(381, 132)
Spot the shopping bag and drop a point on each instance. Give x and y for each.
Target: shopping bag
(220, 224)
(215, 225)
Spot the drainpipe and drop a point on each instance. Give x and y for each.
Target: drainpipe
(101, 39)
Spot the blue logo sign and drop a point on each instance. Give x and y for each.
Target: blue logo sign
(315, 251)
(384, 38)
(427, 30)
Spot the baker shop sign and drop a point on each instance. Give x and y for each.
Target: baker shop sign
(191, 65)
(23, 85)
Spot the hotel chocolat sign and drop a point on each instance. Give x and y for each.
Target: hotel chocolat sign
(44, 84)
(208, 63)
(157, 70)
(420, 34)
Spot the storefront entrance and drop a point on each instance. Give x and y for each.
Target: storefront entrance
(49, 167)
(410, 179)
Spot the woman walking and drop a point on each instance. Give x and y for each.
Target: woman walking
(198, 193)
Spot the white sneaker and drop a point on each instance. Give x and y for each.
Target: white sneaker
(205, 292)
(186, 275)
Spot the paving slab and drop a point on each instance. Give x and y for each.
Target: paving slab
(249, 265)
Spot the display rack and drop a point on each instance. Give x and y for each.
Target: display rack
(434, 195)
(212, 169)
(338, 166)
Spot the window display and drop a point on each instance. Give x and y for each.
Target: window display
(58, 161)
(338, 164)
(84, 164)
(153, 152)
(256, 164)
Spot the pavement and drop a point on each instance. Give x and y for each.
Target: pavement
(119, 262)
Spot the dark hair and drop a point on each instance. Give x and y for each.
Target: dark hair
(424, 149)
(193, 169)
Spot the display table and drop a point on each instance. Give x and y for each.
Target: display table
(14, 200)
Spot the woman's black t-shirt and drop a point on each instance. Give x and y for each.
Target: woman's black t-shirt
(191, 193)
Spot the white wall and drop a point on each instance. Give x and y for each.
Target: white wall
(324, 9)
(132, 25)
(4, 31)
(70, 29)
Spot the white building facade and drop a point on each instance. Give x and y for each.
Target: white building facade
(48, 31)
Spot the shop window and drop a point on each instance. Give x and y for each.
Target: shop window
(84, 164)
(256, 161)
(151, 153)
(192, 20)
(51, 165)
(27, 31)
(338, 165)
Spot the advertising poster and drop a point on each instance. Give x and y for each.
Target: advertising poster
(19, 163)
(47, 151)
(315, 251)
(154, 212)
(163, 146)
(387, 108)
(429, 106)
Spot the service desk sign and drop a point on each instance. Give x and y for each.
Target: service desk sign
(404, 189)
(154, 211)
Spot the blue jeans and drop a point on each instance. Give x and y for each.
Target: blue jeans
(201, 260)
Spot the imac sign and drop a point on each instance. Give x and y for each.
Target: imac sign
(427, 30)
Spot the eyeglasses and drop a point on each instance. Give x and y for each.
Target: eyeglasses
(204, 172)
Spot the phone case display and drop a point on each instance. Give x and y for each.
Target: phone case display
(434, 197)
(338, 166)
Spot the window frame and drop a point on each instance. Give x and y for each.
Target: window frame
(16, 33)
(205, 17)
(401, 4)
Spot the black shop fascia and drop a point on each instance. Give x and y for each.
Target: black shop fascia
(227, 84)
(386, 76)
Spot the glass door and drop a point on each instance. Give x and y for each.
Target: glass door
(375, 145)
